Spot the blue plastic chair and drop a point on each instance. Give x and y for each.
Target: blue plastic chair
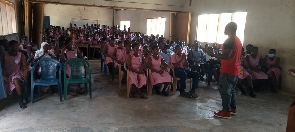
(78, 75)
(48, 67)
(2, 88)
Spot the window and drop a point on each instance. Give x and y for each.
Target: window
(156, 26)
(211, 26)
(225, 18)
(7, 18)
(124, 23)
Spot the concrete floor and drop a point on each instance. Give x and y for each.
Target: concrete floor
(110, 111)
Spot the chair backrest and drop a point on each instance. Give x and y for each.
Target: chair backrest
(78, 66)
(48, 67)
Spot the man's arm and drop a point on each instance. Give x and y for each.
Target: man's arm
(227, 51)
(225, 55)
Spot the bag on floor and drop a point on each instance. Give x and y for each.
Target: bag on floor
(291, 119)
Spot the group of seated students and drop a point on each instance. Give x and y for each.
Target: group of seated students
(257, 70)
(16, 64)
(137, 53)
(138, 58)
(188, 62)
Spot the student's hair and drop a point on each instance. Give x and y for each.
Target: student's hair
(120, 42)
(3, 41)
(104, 38)
(273, 50)
(177, 46)
(12, 42)
(154, 47)
(166, 46)
(134, 45)
(145, 47)
(255, 48)
(248, 45)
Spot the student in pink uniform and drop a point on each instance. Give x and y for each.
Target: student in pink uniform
(136, 74)
(71, 51)
(15, 70)
(109, 52)
(255, 62)
(158, 67)
(120, 59)
(272, 64)
(244, 74)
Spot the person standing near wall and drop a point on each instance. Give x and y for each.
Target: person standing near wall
(229, 71)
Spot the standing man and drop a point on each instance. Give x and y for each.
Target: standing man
(229, 71)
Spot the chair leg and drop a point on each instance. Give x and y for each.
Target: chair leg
(65, 91)
(26, 92)
(39, 90)
(85, 87)
(89, 90)
(120, 78)
(32, 92)
(101, 64)
(174, 85)
(59, 92)
(190, 83)
(150, 87)
(128, 87)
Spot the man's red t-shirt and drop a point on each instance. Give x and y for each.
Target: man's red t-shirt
(231, 66)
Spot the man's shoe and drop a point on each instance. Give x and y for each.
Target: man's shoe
(233, 111)
(223, 114)
(194, 95)
(185, 94)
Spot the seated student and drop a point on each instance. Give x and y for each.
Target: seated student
(165, 53)
(195, 58)
(136, 74)
(249, 49)
(159, 75)
(244, 74)
(54, 47)
(93, 40)
(44, 52)
(272, 64)
(68, 52)
(120, 53)
(145, 54)
(179, 63)
(85, 39)
(109, 52)
(128, 48)
(255, 62)
(15, 70)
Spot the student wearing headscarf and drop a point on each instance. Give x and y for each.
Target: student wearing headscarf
(44, 52)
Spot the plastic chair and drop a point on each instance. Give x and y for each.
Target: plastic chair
(121, 73)
(128, 85)
(78, 75)
(48, 67)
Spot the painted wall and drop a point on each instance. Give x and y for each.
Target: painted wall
(270, 24)
(169, 5)
(61, 15)
(138, 19)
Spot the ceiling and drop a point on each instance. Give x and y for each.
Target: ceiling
(160, 5)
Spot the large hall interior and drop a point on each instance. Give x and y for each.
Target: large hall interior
(147, 66)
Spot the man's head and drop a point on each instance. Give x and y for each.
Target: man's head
(230, 29)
